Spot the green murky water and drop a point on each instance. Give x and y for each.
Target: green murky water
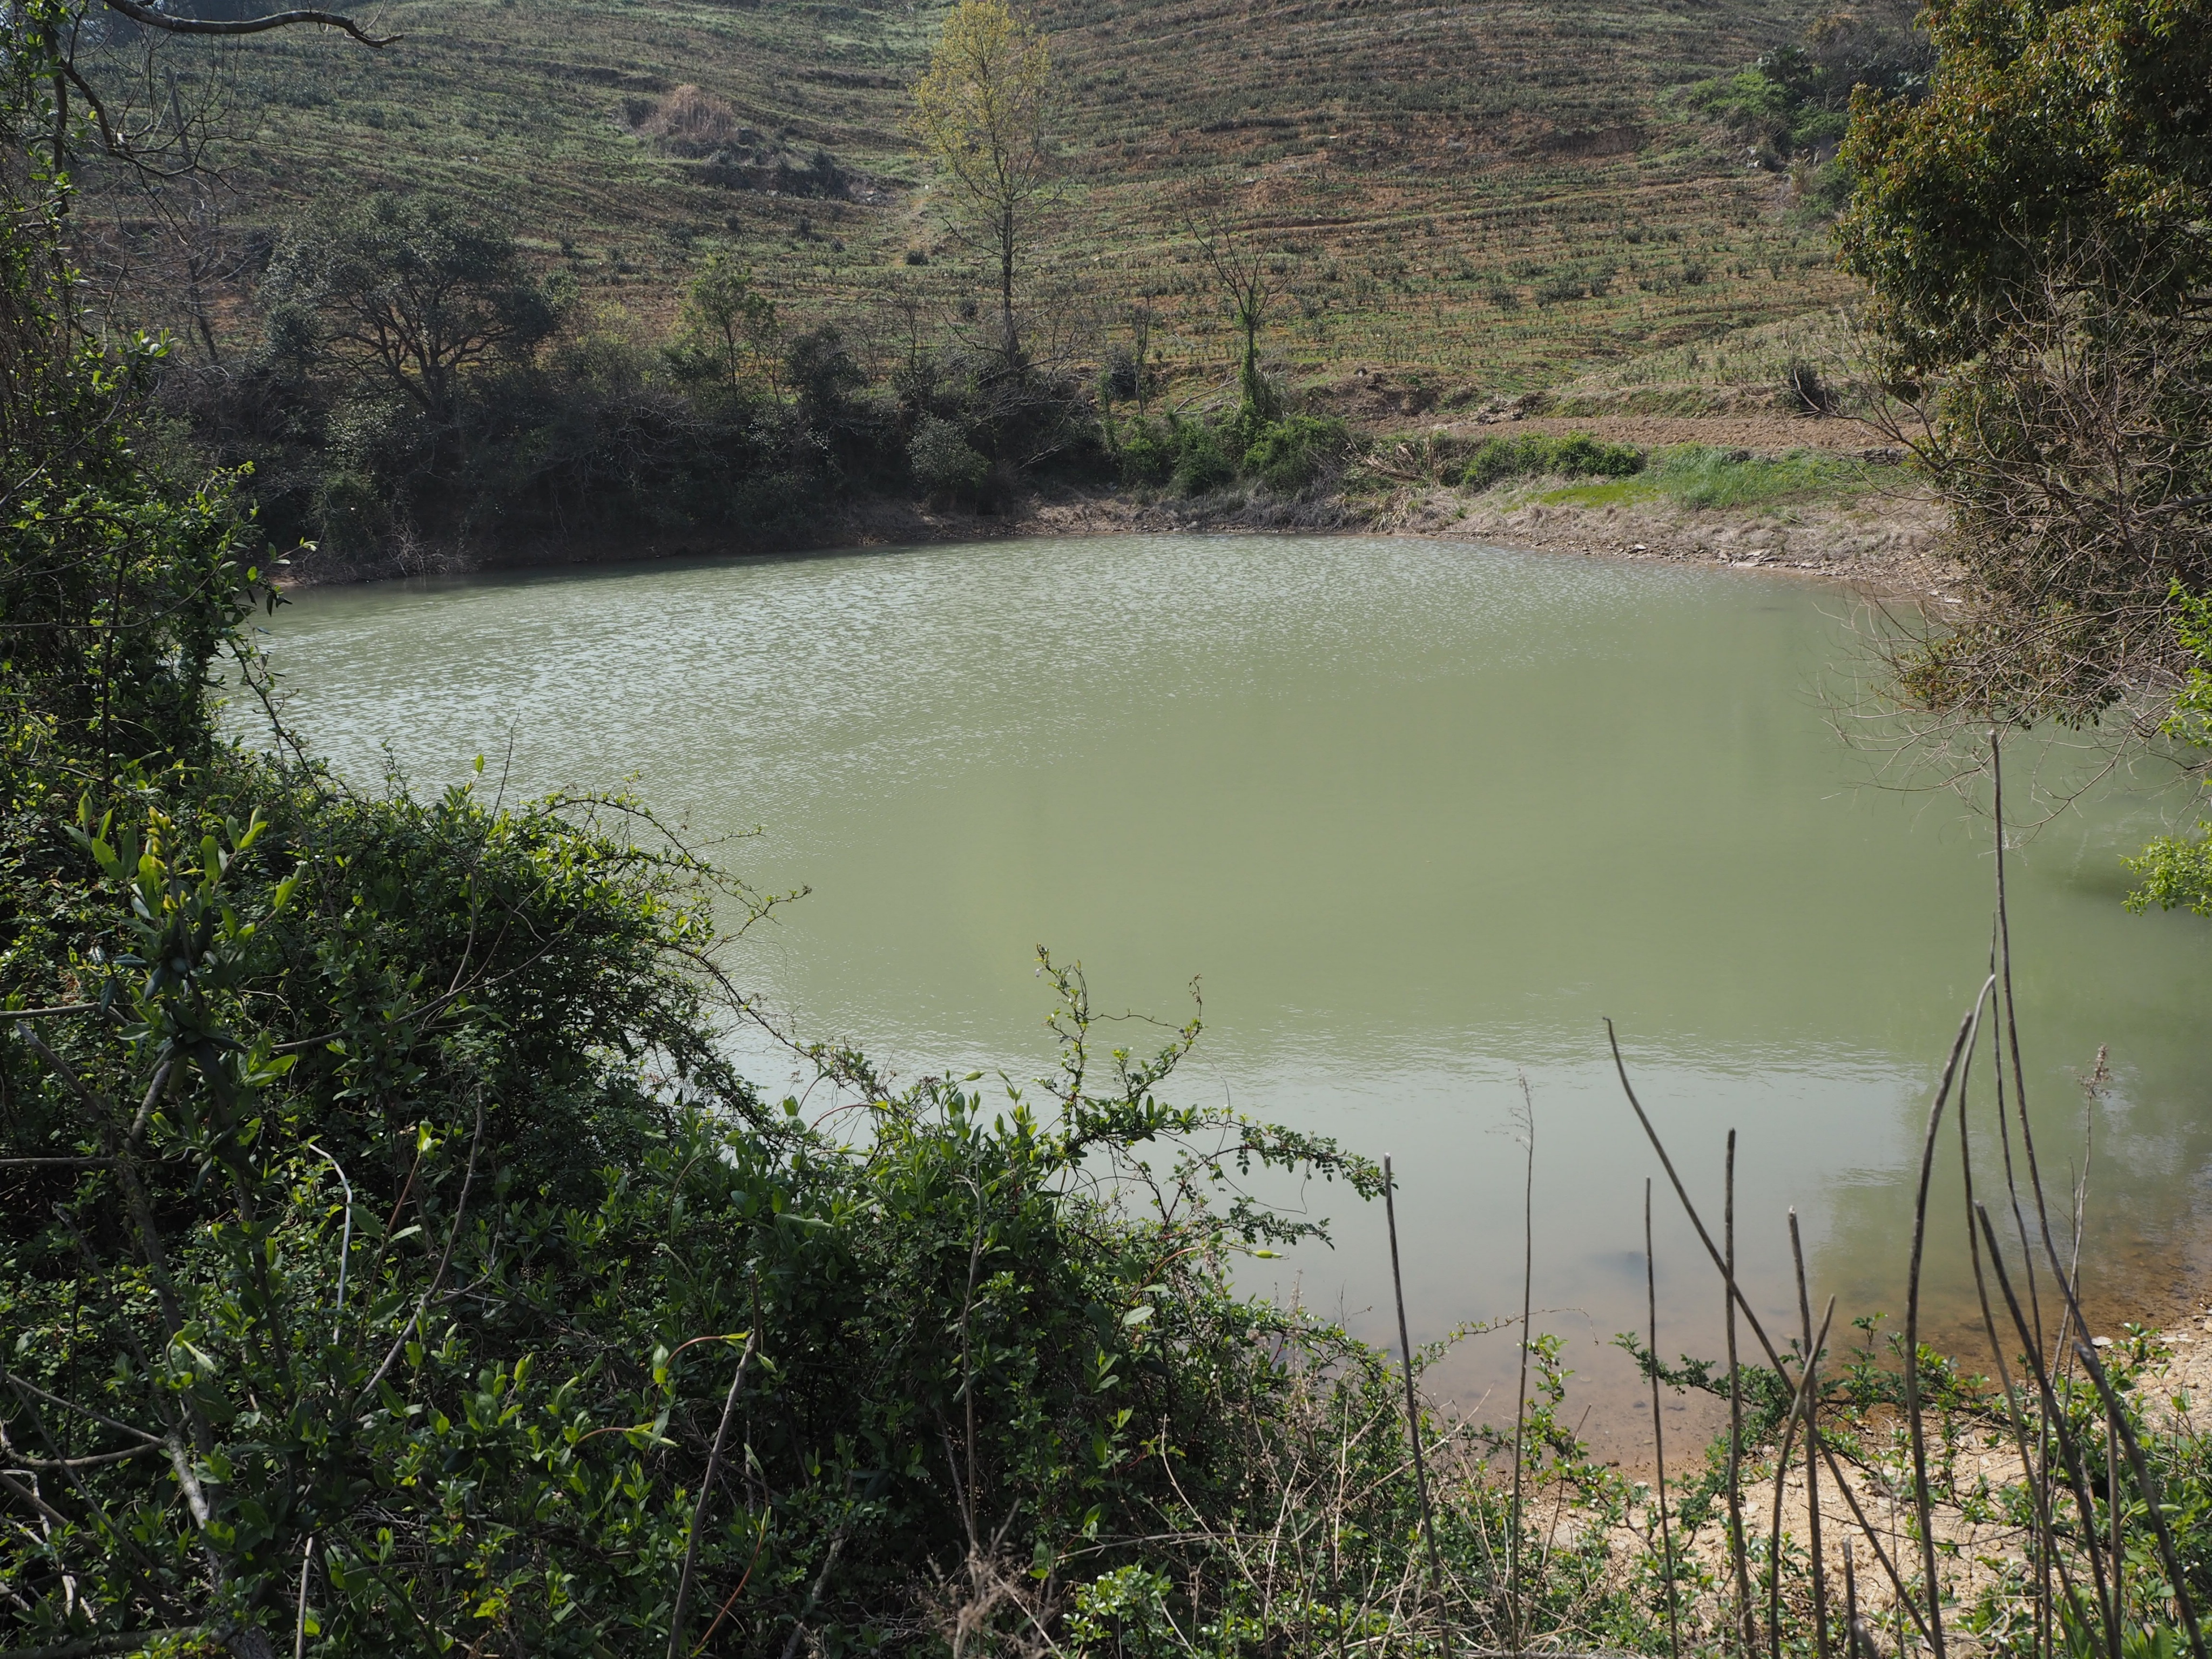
(1418, 814)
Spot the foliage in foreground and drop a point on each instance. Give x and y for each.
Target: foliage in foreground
(2033, 235)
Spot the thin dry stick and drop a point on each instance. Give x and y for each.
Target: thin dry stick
(2072, 1271)
(1799, 1404)
(1916, 1429)
(1405, 1349)
(2036, 1465)
(1750, 1318)
(1812, 1448)
(2048, 1555)
(2038, 1472)
(1658, 1436)
(2116, 1424)
(1521, 1397)
(2069, 1455)
(1851, 1635)
(1746, 1635)
(2112, 1512)
(299, 1622)
(2069, 1317)
(2012, 1037)
(706, 1493)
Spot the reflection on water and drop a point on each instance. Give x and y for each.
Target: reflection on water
(1418, 814)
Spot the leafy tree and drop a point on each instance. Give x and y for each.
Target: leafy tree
(2051, 133)
(2176, 871)
(982, 111)
(943, 462)
(729, 324)
(414, 291)
(2033, 234)
(119, 583)
(1796, 99)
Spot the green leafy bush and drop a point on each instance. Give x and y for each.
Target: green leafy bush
(945, 463)
(1577, 455)
(1203, 462)
(1288, 453)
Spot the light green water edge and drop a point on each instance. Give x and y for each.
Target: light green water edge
(1418, 814)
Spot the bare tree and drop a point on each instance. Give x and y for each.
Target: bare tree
(1247, 278)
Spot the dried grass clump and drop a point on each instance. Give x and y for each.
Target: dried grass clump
(691, 122)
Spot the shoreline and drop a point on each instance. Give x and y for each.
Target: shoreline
(1884, 543)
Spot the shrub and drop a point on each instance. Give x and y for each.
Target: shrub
(1287, 453)
(1147, 453)
(1577, 455)
(1202, 462)
(945, 463)
(1804, 392)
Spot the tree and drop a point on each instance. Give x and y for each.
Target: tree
(729, 323)
(2175, 871)
(1246, 277)
(2033, 235)
(415, 291)
(118, 584)
(983, 113)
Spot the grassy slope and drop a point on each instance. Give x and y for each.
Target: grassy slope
(1410, 162)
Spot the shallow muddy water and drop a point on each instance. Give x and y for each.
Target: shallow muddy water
(1418, 814)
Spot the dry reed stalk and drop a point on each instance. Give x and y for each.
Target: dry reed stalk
(2047, 1555)
(1746, 1634)
(1851, 1635)
(1658, 1434)
(1799, 1404)
(2068, 1453)
(1406, 1351)
(2035, 1471)
(706, 1495)
(1750, 1318)
(1514, 1588)
(2114, 1545)
(2012, 1039)
(2034, 1467)
(1812, 1442)
(1916, 1429)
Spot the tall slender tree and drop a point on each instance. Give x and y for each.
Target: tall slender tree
(983, 115)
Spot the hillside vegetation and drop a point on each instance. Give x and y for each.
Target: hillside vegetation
(1457, 199)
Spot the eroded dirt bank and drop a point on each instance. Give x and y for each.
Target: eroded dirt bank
(1887, 541)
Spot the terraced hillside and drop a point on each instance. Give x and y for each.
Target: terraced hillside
(1461, 198)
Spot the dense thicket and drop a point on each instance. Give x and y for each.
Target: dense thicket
(417, 395)
(2033, 232)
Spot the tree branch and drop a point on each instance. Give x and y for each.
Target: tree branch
(153, 19)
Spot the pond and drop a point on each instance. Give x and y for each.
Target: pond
(1417, 815)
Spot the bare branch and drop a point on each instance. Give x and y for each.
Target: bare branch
(155, 19)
